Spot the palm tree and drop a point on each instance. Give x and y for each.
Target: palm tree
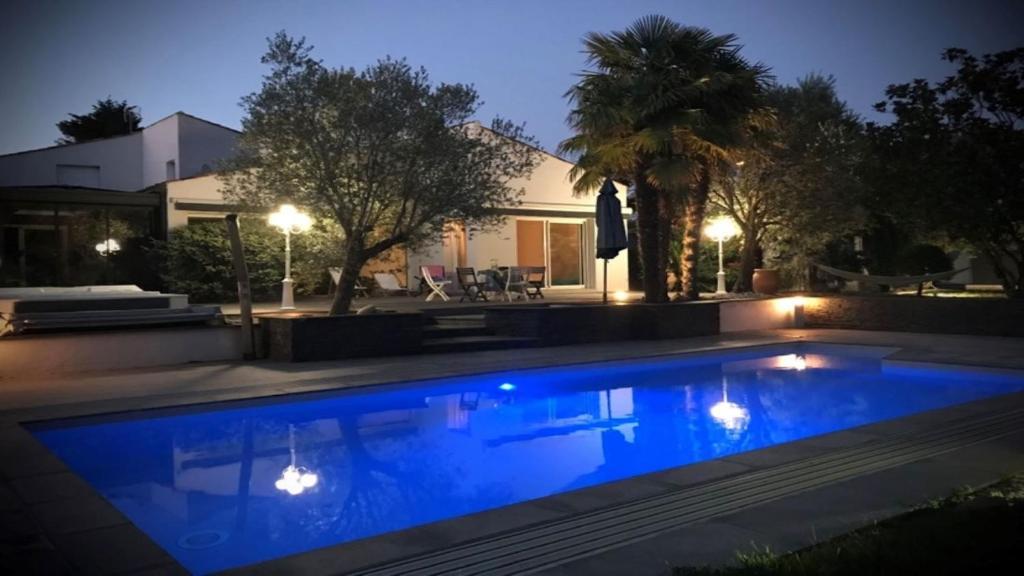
(657, 110)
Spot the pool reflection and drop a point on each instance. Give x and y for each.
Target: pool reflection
(280, 479)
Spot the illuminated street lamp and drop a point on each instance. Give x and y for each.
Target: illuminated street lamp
(290, 221)
(108, 247)
(721, 229)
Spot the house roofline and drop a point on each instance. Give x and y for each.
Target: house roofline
(194, 117)
(55, 146)
(108, 138)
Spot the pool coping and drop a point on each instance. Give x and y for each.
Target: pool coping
(45, 482)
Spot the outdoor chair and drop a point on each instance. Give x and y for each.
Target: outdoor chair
(388, 282)
(534, 278)
(515, 283)
(472, 287)
(335, 273)
(432, 283)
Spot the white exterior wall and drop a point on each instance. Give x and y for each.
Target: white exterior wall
(547, 195)
(202, 146)
(198, 190)
(128, 163)
(159, 145)
(119, 160)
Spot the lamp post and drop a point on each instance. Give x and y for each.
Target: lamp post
(721, 229)
(290, 221)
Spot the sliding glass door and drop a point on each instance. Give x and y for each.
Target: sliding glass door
(565, 243)
(558, 246)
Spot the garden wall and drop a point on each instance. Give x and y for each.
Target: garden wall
(117, 349)
(977, 316)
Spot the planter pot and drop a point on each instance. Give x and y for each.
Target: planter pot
(312, 338)
(766, 281)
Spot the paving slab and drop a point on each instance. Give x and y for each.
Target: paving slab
(113, 550)
(60, 517)
(820, 514)
(50, 487)
(710, 543)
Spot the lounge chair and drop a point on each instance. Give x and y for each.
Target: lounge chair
(335, 273)
(388, 282)
(432, 283)
(472, 287)
(534, 278)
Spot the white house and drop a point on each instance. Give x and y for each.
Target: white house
(551, 227)
(58, 204)
(178, 146)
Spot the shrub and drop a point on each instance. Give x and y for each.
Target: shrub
(196, 260)
(924, 259)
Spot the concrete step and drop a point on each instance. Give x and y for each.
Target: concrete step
(476, 343)
(459, 319)
(454, 330)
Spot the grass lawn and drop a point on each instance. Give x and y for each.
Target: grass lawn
(971, 532)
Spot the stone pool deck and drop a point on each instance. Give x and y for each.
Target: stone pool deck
(784, 497)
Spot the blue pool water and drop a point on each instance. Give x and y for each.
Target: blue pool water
(208, 485)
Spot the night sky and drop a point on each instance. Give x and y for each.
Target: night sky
(202, 56)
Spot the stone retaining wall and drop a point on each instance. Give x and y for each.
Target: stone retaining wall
(575, 324)
(310, 338)
(977, 316)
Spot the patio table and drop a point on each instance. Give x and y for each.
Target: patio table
(494, 279)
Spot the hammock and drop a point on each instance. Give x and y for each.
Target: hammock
(889, 280)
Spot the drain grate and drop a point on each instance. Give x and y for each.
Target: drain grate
(202, 539)
(553, 543)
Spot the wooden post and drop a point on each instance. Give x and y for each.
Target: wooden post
(604, 297)
(244, 293)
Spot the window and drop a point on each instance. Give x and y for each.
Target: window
(172, 170)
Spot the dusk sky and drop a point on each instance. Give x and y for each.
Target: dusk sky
(202, 56)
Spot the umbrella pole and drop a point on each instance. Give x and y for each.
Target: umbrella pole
(604, 298)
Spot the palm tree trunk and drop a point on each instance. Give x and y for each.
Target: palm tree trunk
(354, 261)
(666, 217)
(694, 220)
(648, 239)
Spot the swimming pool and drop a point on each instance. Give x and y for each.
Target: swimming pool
(234, 484)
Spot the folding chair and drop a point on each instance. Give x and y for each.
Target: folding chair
(534, 277)
(335, 273)
(471, 286)
(435, 285)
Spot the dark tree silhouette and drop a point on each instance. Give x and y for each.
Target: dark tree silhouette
(108, 118)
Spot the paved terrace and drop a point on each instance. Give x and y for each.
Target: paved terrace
(321, 304)
(49, 517)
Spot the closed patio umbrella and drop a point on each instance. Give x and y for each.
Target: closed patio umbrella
(611, 232)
